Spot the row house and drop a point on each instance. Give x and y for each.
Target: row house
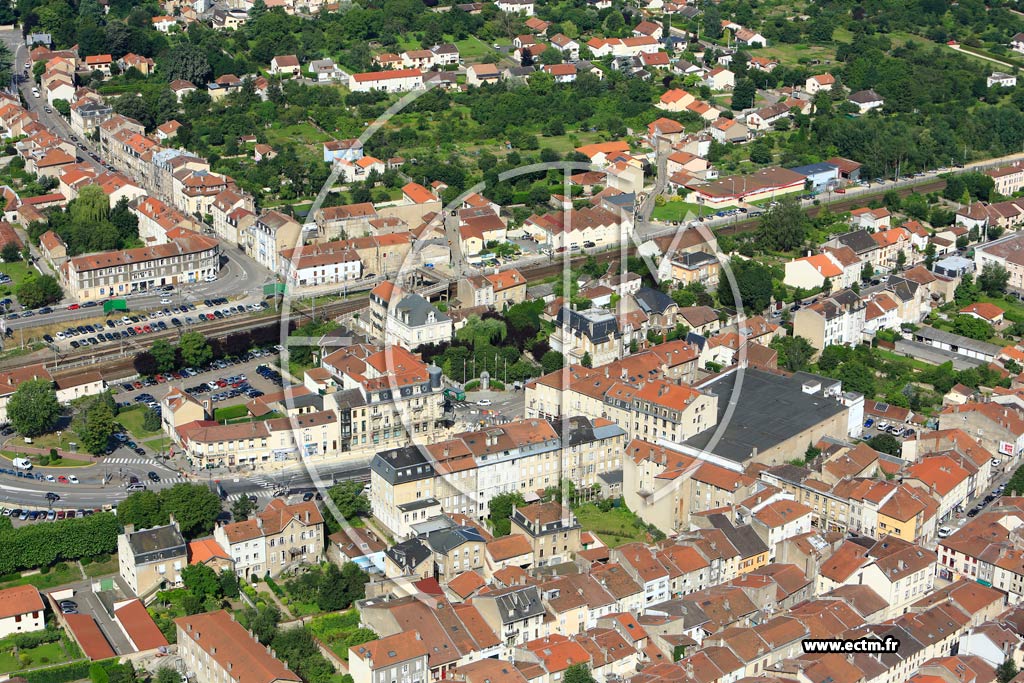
(187, 258)
(278, 538)
(383, 397)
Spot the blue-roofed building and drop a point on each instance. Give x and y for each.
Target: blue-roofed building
(822, 175)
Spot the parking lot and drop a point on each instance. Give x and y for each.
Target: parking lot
(152, 391)
(873, 428)
(140, 324)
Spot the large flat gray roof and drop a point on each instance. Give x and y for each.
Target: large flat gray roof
(770, 409)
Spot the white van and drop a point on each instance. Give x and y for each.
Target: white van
(944, 531)
(23, 463)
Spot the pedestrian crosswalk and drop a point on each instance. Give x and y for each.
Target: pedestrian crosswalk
(128, 461)
(232, 497)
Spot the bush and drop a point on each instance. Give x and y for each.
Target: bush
(64, 673)
(35, 639)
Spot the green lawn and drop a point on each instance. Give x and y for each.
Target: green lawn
(59, 462)
(109, 566)
(473, 48)
(303, 133)
(68, 573)
(17, 272)
(47, 653)
(159, 444)
(791, 55)
(131, 419)
(678, 211)
(615, 528)
(230, 413)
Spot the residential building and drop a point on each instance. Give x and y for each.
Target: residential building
(406, 319)
(278, 538)
(187, 258)
(272, 232)
(150, 559)
(552, 530)
(21, 610)
(214, 648)
(398, 658)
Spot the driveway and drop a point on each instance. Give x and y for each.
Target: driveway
(89, 602)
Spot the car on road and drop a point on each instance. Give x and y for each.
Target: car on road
(52, 497)
(50, 477)
(72, 479)
(153, 476)
(73, 307)
(484, 402)
(135, 487)
(47, 110)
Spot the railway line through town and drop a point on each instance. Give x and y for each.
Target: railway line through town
(116, 363)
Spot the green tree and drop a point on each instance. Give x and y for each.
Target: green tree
(38, 291)
(151, 420)
(587, 361)
(552, 55)
(195, 349)
(355, 580)
(187, 62)
(992, 280)
(332, 592)
(141, 509)
(91, 205)
(794, 352)
(348, 496)
(856, 376)
(194, 506)
(975, 328)
(242, 508)
(784, 226)
(1006, 671)
(754, 282)
(499, 510)
(10, 253)
(228, 584)
(359, 637)
(867, 272)
(97, 428)
(551, 361)
(886, 443)
(164, 355)
(263, 619)
(578, 673)
(482, 331)
(201, 580)
(98, 674)
(743, 94)
(33, 409)
(166, 674)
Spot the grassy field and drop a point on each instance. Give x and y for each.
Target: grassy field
(677, 211)
(18, 272)
(47, 653)
(473, 48)
(68, 573)
(160, 444)
(132, 421)
(230, 413)
(109, 566)
(793, 55)
(59, 462)
(303, 133)
(615, 528)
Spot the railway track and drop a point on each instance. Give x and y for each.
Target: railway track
(99, 358)
(121, 365)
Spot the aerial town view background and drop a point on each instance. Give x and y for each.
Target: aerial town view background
(515, 341)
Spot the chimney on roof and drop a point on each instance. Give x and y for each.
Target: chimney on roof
(259, 522)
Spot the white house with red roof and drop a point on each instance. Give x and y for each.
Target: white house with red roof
(398, 80)
(983, 310)
(285, 65)
(820, 83)
(870, 219)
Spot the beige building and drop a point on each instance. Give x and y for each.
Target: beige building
(552, 530)
(188, 258)
(214, 648)
(150, 559)
(280, 537)
(497, 290)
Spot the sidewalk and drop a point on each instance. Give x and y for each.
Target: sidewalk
(30, 450)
